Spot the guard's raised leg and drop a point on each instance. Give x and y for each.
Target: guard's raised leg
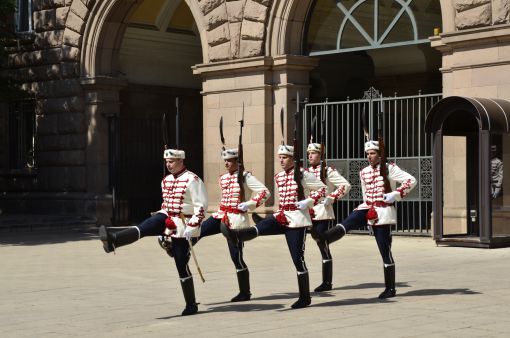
(112, 239)
(333, 234)
(235, 236)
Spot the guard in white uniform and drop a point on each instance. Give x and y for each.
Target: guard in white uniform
(377, 210)
(182, 212)
(323, 214)
(233, 213)
(291, 219)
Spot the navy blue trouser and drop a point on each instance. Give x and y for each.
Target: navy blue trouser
(295, 237)
(320, 227)
(155, 226)
(210, 227)
(382, 233)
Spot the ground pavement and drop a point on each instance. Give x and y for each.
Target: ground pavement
(62, 284)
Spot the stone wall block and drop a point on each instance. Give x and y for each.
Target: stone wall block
(255, 11)
(219, 35)
(38, 5)
(75, 23)
(72, 38)
(252, 30)
(251, 48)
(70, 69)
(264, 2)
(47, 124)
(73, 104)
(235, 10)
(44, 20)
(206, 6)
(220, 52)
(463, 5)
(49, 39)
(474, 17)
(53, 55)
(215, 18)
(61, 142)
(79, 9)
(42, 73)
(61, 16)
(500, 11)
(70, 53)
(71, 123)
(68, 87)
(71, 157)
(235, 38)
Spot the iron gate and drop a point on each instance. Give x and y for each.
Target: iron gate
(407, 145)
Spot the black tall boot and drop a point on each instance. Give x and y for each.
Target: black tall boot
(389, 282)
(236, 236)
(327, 276)
(333, 234)
(112, 240)
(304, 292)
(188, 289)
(243, 278)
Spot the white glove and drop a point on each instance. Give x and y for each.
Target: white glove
(389, 198)
(194, 220)
(496, 192)
(302, 205)
(327, 201)
(242, 206)
(188, 233)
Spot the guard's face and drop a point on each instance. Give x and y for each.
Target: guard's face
(314, 158)
(286, 161)
(373, 157)
(231, 165)
(174, 165)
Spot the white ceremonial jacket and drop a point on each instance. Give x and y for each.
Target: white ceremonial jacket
(287, 192)
(184, 202)
(372, 187)
(337, 187)
(230, 198)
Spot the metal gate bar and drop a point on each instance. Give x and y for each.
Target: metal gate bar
(407, 145)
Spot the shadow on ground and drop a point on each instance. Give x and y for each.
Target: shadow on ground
(40, 237)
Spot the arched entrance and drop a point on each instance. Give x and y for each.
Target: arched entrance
(136, 66)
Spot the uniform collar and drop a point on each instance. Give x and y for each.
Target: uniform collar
(179, 173)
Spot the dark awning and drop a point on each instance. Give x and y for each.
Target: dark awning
(491, 114)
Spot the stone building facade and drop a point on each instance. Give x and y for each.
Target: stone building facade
(251, 54)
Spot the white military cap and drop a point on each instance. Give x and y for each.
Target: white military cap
(284, 149)
(314, 147)
(371, 145)
(227, 154)
(174, 153)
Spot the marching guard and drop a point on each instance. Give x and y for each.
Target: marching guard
(182, 212)
(233, 212)
(322, 213)
(378, 184)
(292, 218)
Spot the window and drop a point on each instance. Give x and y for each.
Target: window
(23, 16)
(21, 134)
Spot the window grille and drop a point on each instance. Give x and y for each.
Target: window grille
(23, 16)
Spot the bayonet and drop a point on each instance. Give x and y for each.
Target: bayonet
(177, 123)
(297, 154)
(222, 138)
(240, 160)
(382, 149)
(281, 125)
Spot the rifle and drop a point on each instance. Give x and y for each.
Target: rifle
(240, 161)
(382, 150)
(164, 132)
(297, 168)
(323, 172)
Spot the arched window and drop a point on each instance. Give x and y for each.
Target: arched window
(23, 16)
(338, 26)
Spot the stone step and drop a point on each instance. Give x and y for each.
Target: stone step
(33, 222)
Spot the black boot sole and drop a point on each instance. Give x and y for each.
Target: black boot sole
(388, 294)
(103, 236)
(323, 287)
(241, 297)
(301, 303)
